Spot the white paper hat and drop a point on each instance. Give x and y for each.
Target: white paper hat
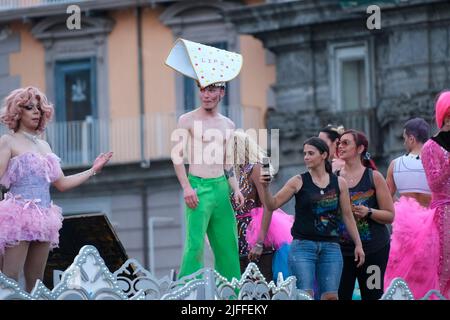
(206, 64)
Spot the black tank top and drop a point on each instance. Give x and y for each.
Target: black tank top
(317, 211)
(374, 236)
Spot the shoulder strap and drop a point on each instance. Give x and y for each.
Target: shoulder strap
(334, 178)
(372, 184)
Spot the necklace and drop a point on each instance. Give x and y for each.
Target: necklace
(322, 192)
(33, 138)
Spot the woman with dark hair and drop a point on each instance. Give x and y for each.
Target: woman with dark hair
(373, 208)
(320, 198)
(331, 135)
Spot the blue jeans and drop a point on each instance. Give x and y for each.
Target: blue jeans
(316, 260)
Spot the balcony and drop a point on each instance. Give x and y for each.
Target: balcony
(78, 143)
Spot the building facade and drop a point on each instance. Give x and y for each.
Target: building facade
(331, 68)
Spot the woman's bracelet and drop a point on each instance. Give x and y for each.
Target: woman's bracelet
(90, 172)
(259, 245)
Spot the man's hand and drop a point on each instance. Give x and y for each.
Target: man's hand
(190, 197)
(239, 199)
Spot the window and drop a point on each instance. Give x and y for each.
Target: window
(350, 77)
(76, 111)
(75, 90)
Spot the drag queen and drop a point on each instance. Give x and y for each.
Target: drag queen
(29, 221)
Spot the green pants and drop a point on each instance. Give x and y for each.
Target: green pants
(213, 216)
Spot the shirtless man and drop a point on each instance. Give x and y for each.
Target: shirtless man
(406, 174)
(207, 186)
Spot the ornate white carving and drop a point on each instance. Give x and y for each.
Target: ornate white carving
(132, 278)
(433, 293)
(88, 278)
(398, 290)
(10, 290)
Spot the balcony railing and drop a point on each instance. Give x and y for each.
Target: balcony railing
(19, 4)
(77, 143)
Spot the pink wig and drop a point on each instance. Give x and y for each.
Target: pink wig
(12, 110)
(442, 108)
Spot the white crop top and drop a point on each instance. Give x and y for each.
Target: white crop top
(409, 175)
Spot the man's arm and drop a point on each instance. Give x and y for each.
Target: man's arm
(179, 139)
(390, 179)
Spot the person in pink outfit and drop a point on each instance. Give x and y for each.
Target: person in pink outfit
(436, 162)
(29, 221)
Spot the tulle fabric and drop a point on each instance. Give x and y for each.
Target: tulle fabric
(279, 231)
(28, 163)
(278, 237)
(26, 221)
(30, 219)
(414, 253)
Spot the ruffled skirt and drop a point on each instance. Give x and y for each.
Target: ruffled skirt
(414, 253)
(27, 221)
(279, 231)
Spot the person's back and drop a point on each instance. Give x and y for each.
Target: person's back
(410, 180)
(406, 175)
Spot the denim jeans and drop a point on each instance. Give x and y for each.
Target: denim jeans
(316, 260)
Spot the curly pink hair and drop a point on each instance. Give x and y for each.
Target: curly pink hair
(12, 111)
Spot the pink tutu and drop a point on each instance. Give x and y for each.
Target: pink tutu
(27, 221)
(279, 229)
(414, 254)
